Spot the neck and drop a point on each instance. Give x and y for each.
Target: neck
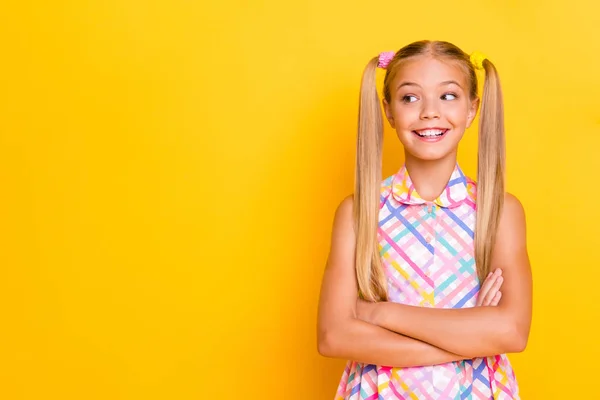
(430, 178)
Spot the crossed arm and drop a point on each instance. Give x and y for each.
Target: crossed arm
(404, 336)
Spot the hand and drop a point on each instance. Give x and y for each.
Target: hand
(490, 294)
(365, 311)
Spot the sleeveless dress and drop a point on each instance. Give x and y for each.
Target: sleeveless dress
(428, 256)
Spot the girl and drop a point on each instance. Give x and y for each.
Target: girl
(417, 245)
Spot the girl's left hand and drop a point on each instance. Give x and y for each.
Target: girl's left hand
(490, 294)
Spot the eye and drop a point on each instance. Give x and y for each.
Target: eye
(452, 96)
(406, 99)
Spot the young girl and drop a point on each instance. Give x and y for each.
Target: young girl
(439, 262)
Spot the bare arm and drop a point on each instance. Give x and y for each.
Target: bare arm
(340, 333)
(479, 331)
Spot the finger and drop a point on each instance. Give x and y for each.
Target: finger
(496, 299)
(489, 281)
(483, 290)
(493, 290)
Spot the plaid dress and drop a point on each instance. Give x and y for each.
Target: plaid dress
(428, 256)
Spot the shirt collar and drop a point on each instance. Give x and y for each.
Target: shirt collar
(458, 189)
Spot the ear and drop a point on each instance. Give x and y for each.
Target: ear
(388, 113)
(472, 111)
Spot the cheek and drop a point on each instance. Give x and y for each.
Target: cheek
(406, 117)
(458, 115)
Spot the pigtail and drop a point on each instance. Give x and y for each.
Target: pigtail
(490, 172)
(369, 271)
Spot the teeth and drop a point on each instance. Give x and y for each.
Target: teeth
(431, 132)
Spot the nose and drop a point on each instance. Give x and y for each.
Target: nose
(429, 110)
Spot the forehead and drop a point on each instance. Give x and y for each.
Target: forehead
(430, 72)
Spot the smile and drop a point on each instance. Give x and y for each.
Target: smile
(431, 135)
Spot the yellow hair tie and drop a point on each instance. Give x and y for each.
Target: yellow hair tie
(477, 58)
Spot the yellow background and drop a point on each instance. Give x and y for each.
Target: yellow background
(169, 172)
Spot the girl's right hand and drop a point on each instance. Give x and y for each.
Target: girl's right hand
(490, 294)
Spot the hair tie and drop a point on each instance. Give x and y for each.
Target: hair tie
(477, 58)
(385, 58)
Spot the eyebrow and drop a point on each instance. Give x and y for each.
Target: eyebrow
(416, 84)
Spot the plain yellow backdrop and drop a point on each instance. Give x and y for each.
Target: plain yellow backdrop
(169, 172)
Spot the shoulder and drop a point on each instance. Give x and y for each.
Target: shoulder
(345, 207)
(343, 235)
(512, 219)
(513, 208)
(386, 186)
(387, 181)
(344, 215)
(471, 187)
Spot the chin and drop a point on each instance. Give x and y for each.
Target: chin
(428, 154)
(429, 157)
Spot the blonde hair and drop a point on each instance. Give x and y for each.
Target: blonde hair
(490, 171)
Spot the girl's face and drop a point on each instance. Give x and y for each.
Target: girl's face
(430, 107)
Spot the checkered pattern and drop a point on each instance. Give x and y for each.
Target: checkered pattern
(427, 253)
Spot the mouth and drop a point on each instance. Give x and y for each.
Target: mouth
(432, 134)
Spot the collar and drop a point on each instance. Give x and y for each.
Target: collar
(458, 189)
